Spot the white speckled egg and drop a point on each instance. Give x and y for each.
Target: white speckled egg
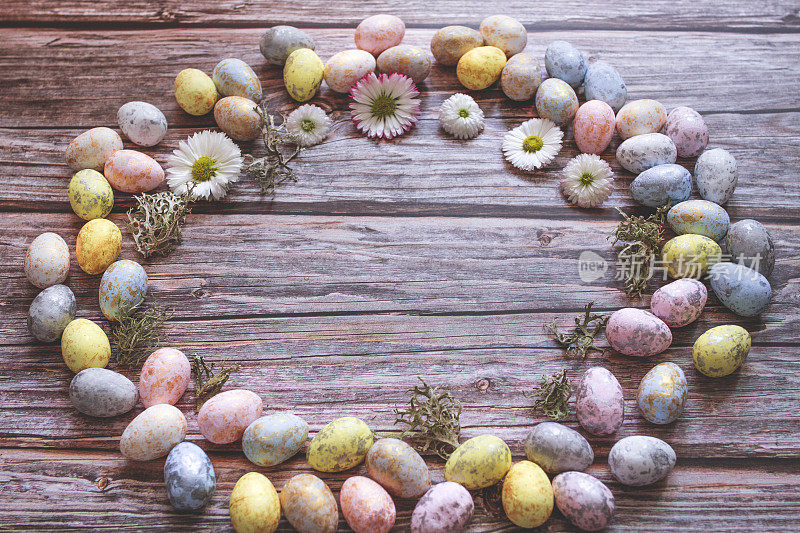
(123, 285)
(144, 124)
(593, 126)
(662, 393)
(153, 433)
(688, 131)
(378, 33)
(279, 41)
(680, 302)
(521, 76)
(641, 116)
(701, 217)
(344, 69)
(641, 152)
(411, 61)
(565, 62)
(749, 243)
(505, 33)
(50, 312)
(716, 175)
(637, 332)
(451, 42)
(47, 260)
(639, 460)
(132, 171)
(603, 82)
(556, 100)
(234, 77)
(238, 117)
(91, 148)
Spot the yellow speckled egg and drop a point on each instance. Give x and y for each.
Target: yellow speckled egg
(480, 67)
(302, 74)
(451, 42)
(195, 91)
(527, 495)
(254, 505)
(641, 116)
(506, 33)
(341, 444)
(556, 100)
(479, 462)
(721, 350)
(690, 256)
(344, 69)
(84, 345)
(411, 61)
(153, 433)
(98, 245)
(309, 505)
(132, 171)
(238, 117)
(90, 194)
(521, 76)
(91, 148)
(46, 262)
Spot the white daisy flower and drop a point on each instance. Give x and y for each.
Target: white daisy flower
(207, 162)
(587, 181)
(308, 124)
(532, 144)
(384, 106)
(461, 117)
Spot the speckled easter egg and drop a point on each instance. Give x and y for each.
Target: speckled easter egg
(411, 61)
(254, 505)
(84, 344)
(144, 124)
(90, 194)
(527, 495)
(662, 185)
(91, 148)
(716, 175)
(123, 286)
(153, 433)
(165, 377)
(645, 151)
(345, 68)
(584, 500)
(446, 508)
(557, 448)
(603, 82)
(688, 131)
(742, 290)
(224, 417)
(720, 351)
(479, 462)
(680, 302)
(521, 76)
(593, 126)
(398, 468)
(599, 403)
(749, 243)
(195, 91)
(309, 505)
(505, 33)
(378, 33)
(662, 393)
(366, 506)
(565, 62)
(102, 393)
(279, 41)
(50, 312)
(234, 77)
(480, 67)
(556, 100)
(273, 439)
(302, 74)
(238, 117)
(132, 171)
(98, 245)
(639, 117)
(637, 332)
(46, 261)
(451, 42)
(690, 256)
(700, 217)
(639, 460)
(189, 477)
(339, 445)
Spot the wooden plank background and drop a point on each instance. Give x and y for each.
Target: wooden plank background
(422, 256)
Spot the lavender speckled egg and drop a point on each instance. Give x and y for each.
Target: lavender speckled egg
(411, 61)
(593, 126)
(378, 33)
(223, 418)
(398, 468)
(164, 377)
(123, 286)
(189, 477)
(273, 439)
(557, 448)
(278, 42)
(749, 243)
(451, 42)
(366, 506)
(584, 500)
(565, 62)
(234, 77)
(603, 82)
(144, 124)
(639, 117)
(716, 175)
(238, 117)
(46, 261)
(102, 393)
(599, 403)
(505, 33)
(132, 171)
(742, 290)
(688, 131)
(689, 256)
(556, 100)
(649, 150)
(153, 433)
(50, 312)
(679, 303)
(91, 148)
(344, 69)
(521, 76)
(637, 332)
(662, 393)
(446, 508)
(700, 217)
(639, 460)
(662, 185)
(309, 505)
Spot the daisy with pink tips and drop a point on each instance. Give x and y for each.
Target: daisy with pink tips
(384, 106)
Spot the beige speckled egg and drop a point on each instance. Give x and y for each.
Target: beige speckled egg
(479, 462)
(527, 495)
(480, 67)
(90, 194)
(84, 345)
(344, 69)
(366, 506)
(309, 505)
(593, 126)
(224, 417)
(641, 116)
(506, 33)
(379, 32)
(234, 77)
(132, 171)
(690, 255)
(521, 76)
(153, 433)
(720, 351)
(398, 468)
(302, 74)
(98, 245)
(556, 100)
(254, 505)
(46, 262)
(451, 42)
(412, 61)
(343, 443)
(195, 91)
(91, 148)
(238, 117)
(165, 377)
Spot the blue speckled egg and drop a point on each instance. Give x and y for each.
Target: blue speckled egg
(234, 77)
(565, 62)
(189, 477)
(641, 152)
(124, 285)
(272, 439)
(556, 100)
(662, 393)
(603, 82)
(662, 185)
(50, 312)
(701, 217)
(742, 290)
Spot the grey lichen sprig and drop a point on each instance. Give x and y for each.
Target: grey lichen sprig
(642, 238)
(432, 417)
(156, 221)
(208, 383)
(139, 332)
(552, 396)
(281, 147)
(579, 342)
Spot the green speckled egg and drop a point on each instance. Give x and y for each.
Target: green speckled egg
(195, 91)
(700, 217)
(302, 74)
(721, 350)
(690, 256)
(479, 462)
(90, 195)
(340, 445)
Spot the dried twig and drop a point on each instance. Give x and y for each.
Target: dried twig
(643, 238)
(207, 382)
(273, 169)
(139, 332)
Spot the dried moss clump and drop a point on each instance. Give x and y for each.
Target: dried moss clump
(579, 341)
(433, 420)
(139, 332)
(272, 169)
(156, 222)
(643, 238)
(207, 383)
(552, 396)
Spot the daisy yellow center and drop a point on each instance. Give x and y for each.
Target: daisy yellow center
(383, 106)
(463, 113)
(203, 169)
(308, 125)
(532, 144)
(587, 178)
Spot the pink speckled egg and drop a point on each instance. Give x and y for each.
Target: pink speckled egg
(344, 69)
(641, 116)
(237, 116)
(593, 126)
(91, 148)
(223, 418)
(688, 131)
(153, 433)
(599, 403)
(46, 262)
(637, 332)
(680, 302)
(379, 32)
(164, 378)
(366, 506)
(132, 171)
